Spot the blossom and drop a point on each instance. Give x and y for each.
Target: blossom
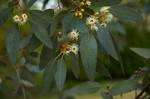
(22, 19)
(109, 17)
(67, 48)
(91, 20)
(74, 49)
(24, 16)
(88, 2)
(105, 8)
(73, 35)
(105, 16)
(16, 18)
(94, 27)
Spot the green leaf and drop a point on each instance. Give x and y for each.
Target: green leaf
(25, 41)
(31, 2)
(60, 76)
(144, 52)
(83, 88)
(43, 18)
(104, 70)
(45, 56)
(75, 65)
(13, 43)
(41, 33)
(33, 44)
(48, 76)
(124, 87)
(4, 15)
(105, 39)
(71, 22)
(55, 22)
(116, 27)
(88, 51)
(126, 13)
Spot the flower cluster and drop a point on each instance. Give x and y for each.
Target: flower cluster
(105, 16)
(22, 19)
(73, 35)
(80, 10)
(91, 22)
(70, 45)
(67, 48)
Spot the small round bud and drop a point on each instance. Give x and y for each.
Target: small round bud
(16, 18)
(24, 16)
(82, 10)
(82, 4)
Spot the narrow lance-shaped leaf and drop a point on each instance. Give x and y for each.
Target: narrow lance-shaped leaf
(75, 65)
(105, 39)
(43, 18)
(41, 33)
(46, 55)
(83, 88)
(124, 86)
(13, 43)
(60, 76)
(88, 51)
(125, 13)
(48, 76)
(71, 22)
(33, 43)
(55, 22)
(144, 52)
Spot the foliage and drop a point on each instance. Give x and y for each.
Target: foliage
(69, 37)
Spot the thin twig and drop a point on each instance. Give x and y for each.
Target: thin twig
(144, 89)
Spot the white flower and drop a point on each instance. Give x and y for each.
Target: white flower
(88, 3)
(24, 16)
(16, 18)
(105, 8)
(109, 17)
(91, 20)
(73, 35)
(74, 49)
(68, 51)
(21, 19)
(94, 27)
